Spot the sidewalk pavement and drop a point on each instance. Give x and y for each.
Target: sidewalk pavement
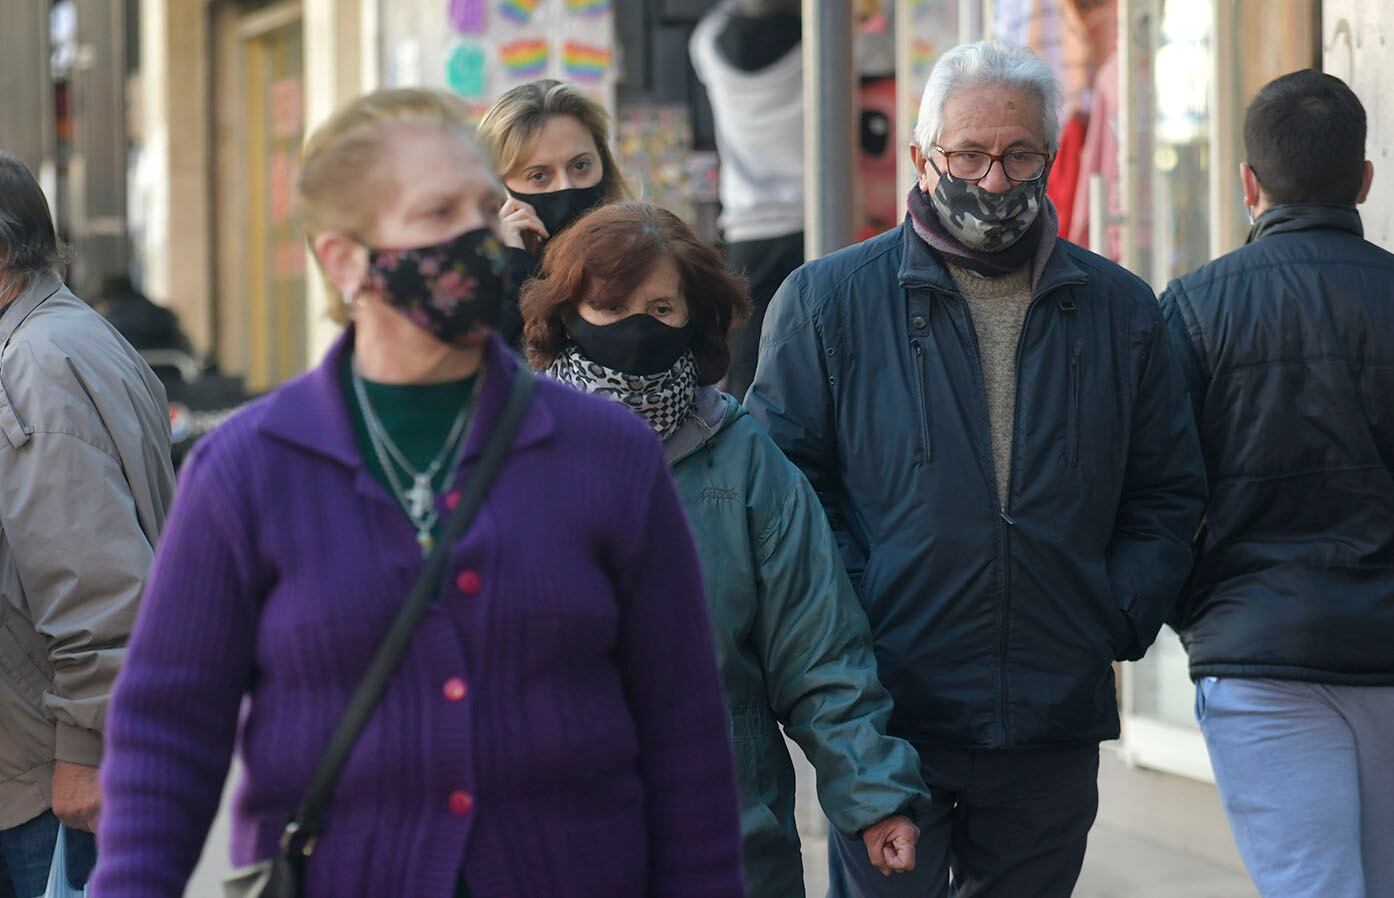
(1118, 865)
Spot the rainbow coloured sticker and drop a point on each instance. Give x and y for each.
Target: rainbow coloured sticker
(525, 58)
(922, 53)
(585, 62)
(518, 11)
(588, 7)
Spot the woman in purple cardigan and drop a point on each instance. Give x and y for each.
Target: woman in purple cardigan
(556, 727)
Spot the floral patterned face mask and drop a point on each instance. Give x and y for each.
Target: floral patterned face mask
(453, 290)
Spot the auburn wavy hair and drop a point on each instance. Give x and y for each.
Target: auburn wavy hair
(606, 255)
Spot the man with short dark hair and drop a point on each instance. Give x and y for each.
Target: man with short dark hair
(1288, 349)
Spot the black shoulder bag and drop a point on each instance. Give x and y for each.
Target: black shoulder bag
(282, 875)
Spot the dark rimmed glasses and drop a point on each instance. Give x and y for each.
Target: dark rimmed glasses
(973, 165)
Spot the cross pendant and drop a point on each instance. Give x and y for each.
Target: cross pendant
(420, 498)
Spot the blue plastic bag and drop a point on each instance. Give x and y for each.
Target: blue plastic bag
(58, 871)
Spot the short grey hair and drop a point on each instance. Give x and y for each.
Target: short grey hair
(988, 62)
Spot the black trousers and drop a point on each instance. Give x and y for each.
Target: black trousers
(1002, 824)
(765, 263)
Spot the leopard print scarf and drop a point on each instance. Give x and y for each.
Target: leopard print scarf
(664, 400)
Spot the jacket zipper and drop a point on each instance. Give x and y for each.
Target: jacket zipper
(1004, 502)
(1008, 523)
(1068, 308)
(923, 391)
(1005, 623)
(1074, 406)
(1004, 516)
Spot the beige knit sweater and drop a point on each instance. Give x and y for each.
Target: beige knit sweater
(998, 306)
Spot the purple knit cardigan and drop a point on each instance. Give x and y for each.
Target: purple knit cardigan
(555, 730)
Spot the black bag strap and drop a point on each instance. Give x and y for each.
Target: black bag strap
(300, 833)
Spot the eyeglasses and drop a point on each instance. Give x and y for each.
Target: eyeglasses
(973, 165)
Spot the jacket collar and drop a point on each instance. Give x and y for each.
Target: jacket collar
(44, 285)
(311, 411)
(711, 411)
(921, 266)
(1290, 217)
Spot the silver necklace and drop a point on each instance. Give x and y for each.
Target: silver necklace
(418, 500)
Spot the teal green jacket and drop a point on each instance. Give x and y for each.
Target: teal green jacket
(793, 644)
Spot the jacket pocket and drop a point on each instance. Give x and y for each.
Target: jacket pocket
(922, 392)
(1204, 687)
(753, 732)
(1072, 438)
(17, 665)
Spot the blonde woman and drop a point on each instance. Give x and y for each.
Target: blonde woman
(550, 143)
(555, 726)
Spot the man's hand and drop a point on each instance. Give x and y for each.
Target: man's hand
(890, 845)
(77, 796)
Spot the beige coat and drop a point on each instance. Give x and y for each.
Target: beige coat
(85, 479)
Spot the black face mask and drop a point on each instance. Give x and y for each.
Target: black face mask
(561, 207)
(639, 344)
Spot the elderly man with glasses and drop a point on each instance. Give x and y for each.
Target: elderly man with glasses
(998, 434)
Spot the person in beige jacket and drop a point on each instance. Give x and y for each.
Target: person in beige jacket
(85, 479)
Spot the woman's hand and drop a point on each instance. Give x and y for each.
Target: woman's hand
(890, 845)
(519, 219)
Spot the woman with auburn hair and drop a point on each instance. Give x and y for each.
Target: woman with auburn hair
(460, 602)
(633, 306)
(550, 143)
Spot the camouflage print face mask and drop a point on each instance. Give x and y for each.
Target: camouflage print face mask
(984, 221)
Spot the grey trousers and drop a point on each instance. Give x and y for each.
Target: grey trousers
(1306, 774)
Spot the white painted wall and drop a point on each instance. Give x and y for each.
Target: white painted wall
(1358, 47)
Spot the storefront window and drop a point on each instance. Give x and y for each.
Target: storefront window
(1173, 41)
(1181, 155)
(273, 65)
(1174, 57)
(1187, 207)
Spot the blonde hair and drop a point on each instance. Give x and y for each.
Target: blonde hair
(510, 128)
(339, 188)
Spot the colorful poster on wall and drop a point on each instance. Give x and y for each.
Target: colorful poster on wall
(655, 145)
(482, 48)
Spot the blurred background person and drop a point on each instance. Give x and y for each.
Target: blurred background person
(85, 479)
(200, 397)
(550, 143)
(556, 727)
(634, 307)
(749, 55)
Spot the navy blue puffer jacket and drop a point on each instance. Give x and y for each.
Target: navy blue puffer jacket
(996, 618)
(1288, 346)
